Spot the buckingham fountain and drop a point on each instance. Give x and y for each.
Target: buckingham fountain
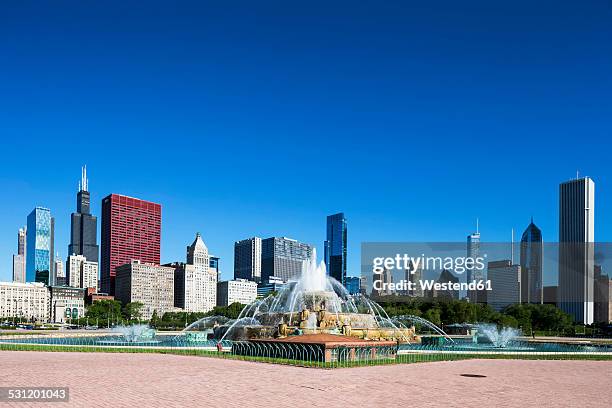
(314, 309)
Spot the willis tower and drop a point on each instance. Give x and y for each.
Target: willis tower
(83, 225)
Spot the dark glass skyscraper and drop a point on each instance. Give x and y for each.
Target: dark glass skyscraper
(531, 265)
(335, 247)
(576, 248)
(83, 225)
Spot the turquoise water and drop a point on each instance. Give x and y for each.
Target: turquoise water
(181, 341)
(513, 346)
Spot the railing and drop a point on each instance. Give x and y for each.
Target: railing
(305, 355)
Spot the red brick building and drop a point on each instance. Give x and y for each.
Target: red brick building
(131, 230)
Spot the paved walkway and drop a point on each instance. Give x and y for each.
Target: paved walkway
(155, 380)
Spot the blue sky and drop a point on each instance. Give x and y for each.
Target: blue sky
(244, 119)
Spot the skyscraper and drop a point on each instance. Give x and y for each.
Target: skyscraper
(19, 260)
(283, 258)
(247, 259)
(576, 254)
(505, 285)
(335, 247)
(531, 265)
(195, 282)
(473, 251)
(131, 230)
(83, 225)
(39, 245)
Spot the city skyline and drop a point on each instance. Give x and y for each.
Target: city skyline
(225, 262)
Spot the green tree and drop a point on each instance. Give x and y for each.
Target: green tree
(104, 311)
(132, 310)
(154, 322)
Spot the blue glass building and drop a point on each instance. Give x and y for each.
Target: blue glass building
(335, 247)
(353, 285)
(39, 245)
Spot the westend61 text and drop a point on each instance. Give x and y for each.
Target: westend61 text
(405, 285)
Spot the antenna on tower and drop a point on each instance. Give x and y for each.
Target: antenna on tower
(512, 247)
(83, 185)
(477, 225)
(577, 174)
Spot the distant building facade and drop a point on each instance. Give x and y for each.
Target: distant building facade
(19, 260)
(58, 271)
(66, 304)
(27, 301)
(283, 257)
(505, 284)
(237, 290)
(532, 289)
(247, 259)
(602, 297)
(335, 247)
(150, 284)
(131, 230)
(39, 259)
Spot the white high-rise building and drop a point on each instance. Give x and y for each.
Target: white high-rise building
(74, 266)
(237, 290)
(576, 248)
(195, 283)
(58, 271)
(81, 272)
(89, 275)
(27, 301)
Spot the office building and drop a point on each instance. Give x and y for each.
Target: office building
(505, 284)
(58, 271)
(284, 258)
(247, 259)
(214, 265)
(19, 268)
(195, 282)
(236, 291)
(273, 284)
(150, 284)
(472, 273)
(602, 297)
(24, 301)
(83, 225)
(446, 277)
(39, 245)
(414, 275)
(576, 252)
(131, 230)
(532, 289)
(81, 273)
(19, 260)
(66, 304)
(335, 247)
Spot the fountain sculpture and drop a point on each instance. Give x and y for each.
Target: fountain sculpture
(313, 304)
